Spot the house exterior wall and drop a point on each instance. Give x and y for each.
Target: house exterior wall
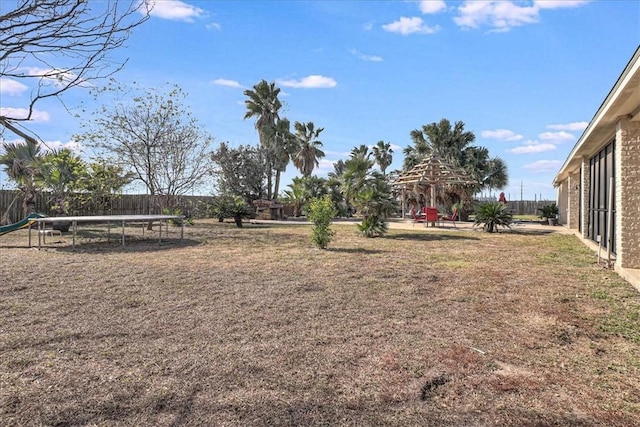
(584, 197)
(628, 193)
(563, 202)
(573, 202)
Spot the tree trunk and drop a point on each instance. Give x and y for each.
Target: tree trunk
(276, 187)
(29, 201)
(238, 220)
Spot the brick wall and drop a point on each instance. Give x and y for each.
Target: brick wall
(586, 178)
(573, 208)
(628, 193)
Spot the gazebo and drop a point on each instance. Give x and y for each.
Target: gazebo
(432, 172)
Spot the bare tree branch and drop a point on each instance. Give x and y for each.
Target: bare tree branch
(52, 46)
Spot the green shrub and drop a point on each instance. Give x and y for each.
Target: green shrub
(493, 215)
(321, 212)
(549, 211)
(230, 207)
(373, 226)
(176, 221)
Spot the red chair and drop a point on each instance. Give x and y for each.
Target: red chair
(453, 218)
(431, 215)
(416, 217)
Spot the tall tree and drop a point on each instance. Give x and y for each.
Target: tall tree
(338, 169)
(20, 162)
(240, 171)
(361, 151)
(52, 46)
(453, 144)
(439, 138)
(308, 151)
(264, 105)
(280, 146)
(383, 155)
(154, 136)
(369, 192)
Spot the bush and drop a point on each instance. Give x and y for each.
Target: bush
(549, 211)
(176, 221)
(321, 213)
(493, 215)
(373, 226)
(230, 207)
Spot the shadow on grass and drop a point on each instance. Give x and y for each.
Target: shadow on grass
(428, 237)
(355, 250)
(115, 245)
(530, 232)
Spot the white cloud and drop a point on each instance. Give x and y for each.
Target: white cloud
(74, 146)
(561, 136)
(324, 166)
(532, 147)
(214, 25)
(574, 126)
(58, 76)
(228, 83)
(557, 4)
(11, 87)
(501, 15)
(504, 15)
(367, 26)
(501, 135)
(432, 6)
(543, 166)
(361, 56)
(406, 26)
(21, 113)
(175, 10)
(310, 82)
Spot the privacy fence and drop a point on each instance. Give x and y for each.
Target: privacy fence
(191, 206)
(126, 204)
(528, 207)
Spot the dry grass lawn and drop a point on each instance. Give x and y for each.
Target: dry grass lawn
(255, 327)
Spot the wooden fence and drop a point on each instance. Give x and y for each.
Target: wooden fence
(528, 207)
(191, 206)
(126, 204)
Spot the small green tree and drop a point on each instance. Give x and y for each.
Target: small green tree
(493, 215)
(101, 186)
(321, 213)
(230, 207)
(60, 172)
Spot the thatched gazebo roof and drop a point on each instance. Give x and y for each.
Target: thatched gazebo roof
(432, 172)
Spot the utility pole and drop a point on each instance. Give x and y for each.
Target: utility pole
(521, 190)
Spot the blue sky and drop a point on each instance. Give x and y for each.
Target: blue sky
(525, 76)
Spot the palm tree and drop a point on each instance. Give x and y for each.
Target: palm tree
(441, 139)
(361, 151)
(383, 155)
(59, 172)
(308, 152)
(280, 147)
(296, 195)
(263, 103)
(356, 173)
(491, 173)
(453, 144)
(338, 169)
(20, 163)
